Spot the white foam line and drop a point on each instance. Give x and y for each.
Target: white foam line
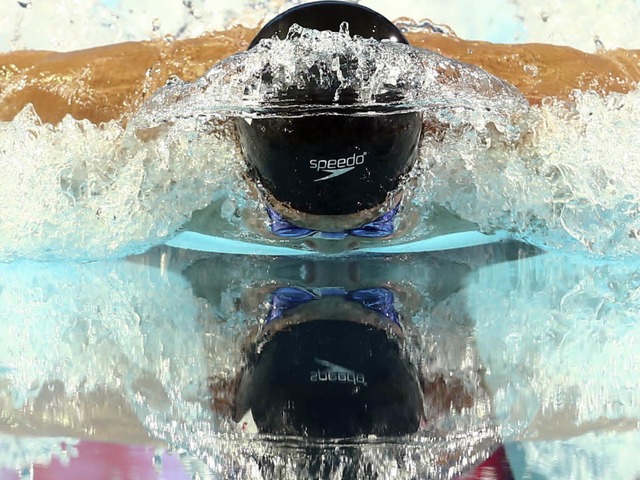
(208, 243)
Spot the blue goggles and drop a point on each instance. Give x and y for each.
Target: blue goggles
(378, 299)
(381, 227)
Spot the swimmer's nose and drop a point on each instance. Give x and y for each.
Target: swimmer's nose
(330, 15)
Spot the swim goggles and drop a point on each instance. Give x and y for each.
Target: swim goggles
(381, 227)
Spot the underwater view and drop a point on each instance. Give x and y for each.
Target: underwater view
(341, 240)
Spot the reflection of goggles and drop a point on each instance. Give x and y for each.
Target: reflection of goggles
(383, 226)
(378, 299)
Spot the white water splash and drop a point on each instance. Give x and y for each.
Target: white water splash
(97, 326)
(368, 72)
(571, 186)
(77, 190)
(561, 337)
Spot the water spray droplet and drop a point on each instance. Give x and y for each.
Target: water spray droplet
(25, 3)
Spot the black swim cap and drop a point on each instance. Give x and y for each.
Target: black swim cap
(330, 379)
(329, 15)
(342, 159)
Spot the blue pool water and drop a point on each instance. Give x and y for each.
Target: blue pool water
(111, 366)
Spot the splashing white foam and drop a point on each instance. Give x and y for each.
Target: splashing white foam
(99, 325)
(560, 336)
(77, 190)
(274, 77)
(572, 185)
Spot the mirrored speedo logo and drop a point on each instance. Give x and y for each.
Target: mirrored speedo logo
(336, 166)
(335, 373)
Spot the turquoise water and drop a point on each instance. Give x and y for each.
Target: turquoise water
(122, 350)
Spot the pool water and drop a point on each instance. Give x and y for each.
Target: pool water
(126, 351)
(118, 353)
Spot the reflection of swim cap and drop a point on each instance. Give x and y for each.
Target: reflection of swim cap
(333, 161)
(330, 379)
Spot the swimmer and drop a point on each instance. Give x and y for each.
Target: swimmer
(334, 172)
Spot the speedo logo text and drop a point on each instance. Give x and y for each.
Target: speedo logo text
(336, 166)
(335, 373)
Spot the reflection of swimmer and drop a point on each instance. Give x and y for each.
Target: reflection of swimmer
(136, 332)
(338, 354)
(135, 347)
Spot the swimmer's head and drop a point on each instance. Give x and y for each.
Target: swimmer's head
(328, 156)
(328, 378)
